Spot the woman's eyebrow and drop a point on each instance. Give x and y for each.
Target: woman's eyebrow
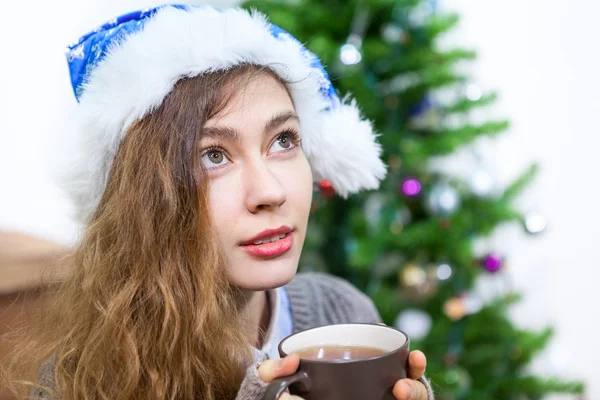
(233, 135)
(279, 119)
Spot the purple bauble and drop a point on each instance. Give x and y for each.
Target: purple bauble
(411, 187)
(492, 262)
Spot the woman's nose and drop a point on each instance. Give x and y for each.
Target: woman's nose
(263, 188)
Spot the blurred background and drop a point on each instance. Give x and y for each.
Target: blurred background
(538, 56)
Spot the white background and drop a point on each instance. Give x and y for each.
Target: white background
(540, 55)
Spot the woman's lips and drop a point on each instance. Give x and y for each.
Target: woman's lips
(270, 249)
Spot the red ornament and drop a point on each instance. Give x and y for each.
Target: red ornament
(326, 189)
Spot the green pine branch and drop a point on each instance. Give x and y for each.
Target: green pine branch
(416, 148)
(464, 104)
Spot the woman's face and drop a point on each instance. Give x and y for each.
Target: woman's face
(260, 184)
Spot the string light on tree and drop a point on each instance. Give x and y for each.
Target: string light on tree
(473, 92)
(443, 272)
(443, 199)
(350, 52)
(482, 182)
(535, 223)
(416, 323)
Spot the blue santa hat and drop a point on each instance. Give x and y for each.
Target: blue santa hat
(124, 69)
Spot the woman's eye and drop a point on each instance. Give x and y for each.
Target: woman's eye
(285, 141)
(214, 158)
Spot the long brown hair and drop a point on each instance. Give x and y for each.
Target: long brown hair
(146, 312)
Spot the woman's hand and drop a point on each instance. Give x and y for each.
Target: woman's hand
(411, 389)
(273, 369)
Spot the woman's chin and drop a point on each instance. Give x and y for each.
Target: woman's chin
(263, 274)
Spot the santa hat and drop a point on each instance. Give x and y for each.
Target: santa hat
(123, 70)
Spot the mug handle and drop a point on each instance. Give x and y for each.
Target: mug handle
(278, 386)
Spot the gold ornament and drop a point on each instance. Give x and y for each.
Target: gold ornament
(415, 282)
(455, 308)
(459, 307)
(412, 275)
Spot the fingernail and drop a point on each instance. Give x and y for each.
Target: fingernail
(407, 389)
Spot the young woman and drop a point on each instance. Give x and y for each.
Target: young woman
(199, 135)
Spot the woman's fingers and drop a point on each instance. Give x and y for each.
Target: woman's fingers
(407, 389)
(417, 362)
(273, 369)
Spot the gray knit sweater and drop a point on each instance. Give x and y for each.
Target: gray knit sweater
(316, 299)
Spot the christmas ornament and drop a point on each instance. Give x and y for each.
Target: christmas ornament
(473, 92)
(459, 307)
(392, 33)
(411, 187)
(492, 262)
(443, 200)
(426, 115)
(415, 323)
(482, 183)
(326, 189)
(535, 223)
(443, 272)
(413, 275)
(415, 283)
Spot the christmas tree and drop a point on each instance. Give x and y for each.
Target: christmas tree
(409, 245)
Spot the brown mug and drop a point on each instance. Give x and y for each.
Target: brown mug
(344, 362)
